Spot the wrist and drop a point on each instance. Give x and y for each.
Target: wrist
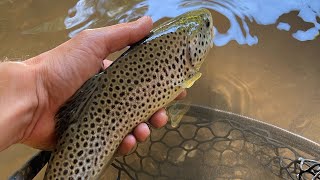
(18, 102)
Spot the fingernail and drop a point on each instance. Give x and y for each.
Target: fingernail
(164, 113)
(106, 63)
(144, 18)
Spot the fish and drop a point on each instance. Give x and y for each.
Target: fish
(148, 76)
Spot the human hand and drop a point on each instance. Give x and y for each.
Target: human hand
(32, 91)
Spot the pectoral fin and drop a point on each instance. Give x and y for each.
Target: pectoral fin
(176, 112)
(189, 82)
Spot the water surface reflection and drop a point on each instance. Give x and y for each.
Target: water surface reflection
(240, 15)
(37, 20)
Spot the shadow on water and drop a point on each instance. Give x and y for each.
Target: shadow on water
(264, 63)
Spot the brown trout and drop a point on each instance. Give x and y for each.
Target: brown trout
(147, 77)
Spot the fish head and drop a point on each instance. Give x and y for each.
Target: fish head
(200, 36)
(199, 27)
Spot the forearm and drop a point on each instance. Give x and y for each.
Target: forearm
(18, 102)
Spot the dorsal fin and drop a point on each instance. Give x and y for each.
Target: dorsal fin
(69, 113)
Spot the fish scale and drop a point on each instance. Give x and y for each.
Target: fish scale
(147, 77)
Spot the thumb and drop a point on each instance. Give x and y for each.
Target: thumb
(69, 65)
(103, 41)
(78, 59)
(96, 44)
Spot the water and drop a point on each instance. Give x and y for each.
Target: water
(264, 63)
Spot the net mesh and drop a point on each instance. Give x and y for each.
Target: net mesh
(212, 144)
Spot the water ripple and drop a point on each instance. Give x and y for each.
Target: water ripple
(240, 14)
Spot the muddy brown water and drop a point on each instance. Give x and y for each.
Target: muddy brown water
(265, 62)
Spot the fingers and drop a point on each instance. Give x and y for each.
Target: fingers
(121, 35)
(106, 63)
(127, 144)
(103, 41)
(82, 55)
(159, 118)
(182, 95)
(142, 131)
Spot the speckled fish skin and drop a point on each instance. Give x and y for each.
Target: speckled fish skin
(92, 124)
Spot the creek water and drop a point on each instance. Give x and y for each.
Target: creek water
(264, 64)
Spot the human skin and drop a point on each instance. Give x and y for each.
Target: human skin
(32, 91)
